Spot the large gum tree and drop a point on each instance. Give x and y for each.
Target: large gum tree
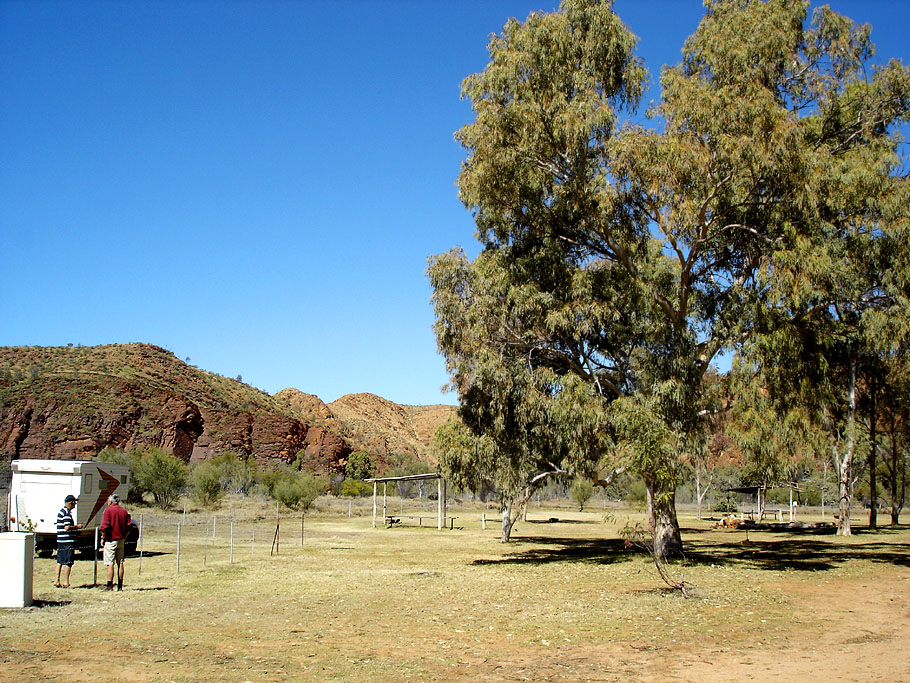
(619, 261)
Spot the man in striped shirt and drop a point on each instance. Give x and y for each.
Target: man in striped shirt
(66, 543)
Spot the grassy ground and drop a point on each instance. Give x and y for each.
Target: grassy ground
(564, 601)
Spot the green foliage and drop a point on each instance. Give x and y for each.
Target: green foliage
(268, 477)
(355, 488)
(205, 480)
(162, 474)
(581, 491)
(237, 473)
(775, 440)
(297, 491)
(360, 465)
(726, 504)
(618, 263)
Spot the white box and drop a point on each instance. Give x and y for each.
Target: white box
(17, 561)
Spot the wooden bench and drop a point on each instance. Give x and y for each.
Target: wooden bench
(392, 520)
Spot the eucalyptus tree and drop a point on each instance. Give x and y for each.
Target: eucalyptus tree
(837, 292)
(778, 440)
(896, 427)
(532, 340)
(522, 420)
(624, 260)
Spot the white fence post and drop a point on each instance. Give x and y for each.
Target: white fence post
(178, 548)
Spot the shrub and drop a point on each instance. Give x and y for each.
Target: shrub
(269, 478)
(162, 474)
(238, 474)
(360, 465)
(636, 492)
(206, 482)
(297, 492)
(581, 491)
(725, 505)
(354, 488)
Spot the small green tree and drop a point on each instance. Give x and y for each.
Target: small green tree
(205, 480)
(354, 488)
(238, 474)
(581, 491)
(162, 474)
(360, 465)
(297, 492)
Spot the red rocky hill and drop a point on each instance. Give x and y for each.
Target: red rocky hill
(71, 402)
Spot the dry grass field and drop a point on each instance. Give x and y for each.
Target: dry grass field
(564, 602)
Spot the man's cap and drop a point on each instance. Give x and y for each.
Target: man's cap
(70, 499)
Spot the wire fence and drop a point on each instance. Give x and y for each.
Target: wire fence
(194, 542)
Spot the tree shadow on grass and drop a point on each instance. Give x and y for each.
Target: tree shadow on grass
(809, 554)
(151, 588)
(43, 604)
(594, 551)
(560, 520)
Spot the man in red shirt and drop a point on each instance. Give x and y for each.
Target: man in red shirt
(115, 525)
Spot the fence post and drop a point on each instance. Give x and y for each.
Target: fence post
(205, 545)
(141, 541)
(483, 520)
(178, 547)
(232, 541)
(95, 555)
(275, 539)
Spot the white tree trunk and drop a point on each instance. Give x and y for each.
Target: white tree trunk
(508, 521)
(844, 462)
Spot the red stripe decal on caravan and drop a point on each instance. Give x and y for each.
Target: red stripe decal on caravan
(109, 485)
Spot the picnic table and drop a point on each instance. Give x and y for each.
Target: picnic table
(392, 520)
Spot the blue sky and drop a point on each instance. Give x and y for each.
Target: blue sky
(257, 185)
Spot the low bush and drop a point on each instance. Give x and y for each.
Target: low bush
(205, 480)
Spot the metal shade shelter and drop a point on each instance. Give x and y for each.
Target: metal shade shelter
(441, 507)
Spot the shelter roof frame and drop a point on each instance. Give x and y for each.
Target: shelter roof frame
(441, 499)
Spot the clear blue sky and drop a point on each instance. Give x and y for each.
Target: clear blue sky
(257, 185)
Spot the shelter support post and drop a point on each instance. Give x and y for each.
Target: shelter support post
(374, 504)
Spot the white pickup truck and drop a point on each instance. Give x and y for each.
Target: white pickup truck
(38, 488)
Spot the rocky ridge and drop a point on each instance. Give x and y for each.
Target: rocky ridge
(71, 402)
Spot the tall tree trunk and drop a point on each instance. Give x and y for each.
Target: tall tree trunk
(844, 462)
(897, 472)
(873, 450)
(662, 520)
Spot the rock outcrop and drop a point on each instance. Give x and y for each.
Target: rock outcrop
(73, 402)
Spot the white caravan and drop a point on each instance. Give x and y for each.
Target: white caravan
(39, 487)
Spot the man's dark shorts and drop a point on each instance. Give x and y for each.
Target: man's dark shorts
(65, 554)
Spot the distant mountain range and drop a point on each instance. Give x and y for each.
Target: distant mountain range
(71, 402)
